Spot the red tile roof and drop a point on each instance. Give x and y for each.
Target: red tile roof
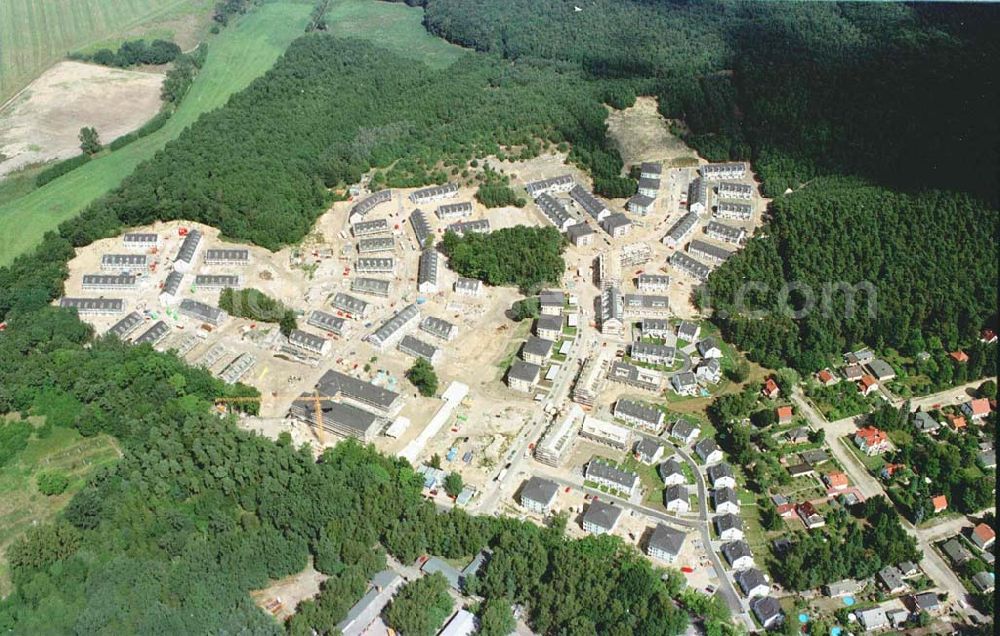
(959, 356)
(980, 407)
(784, 413)
(940, 503)
(770, 387)
(872, 436)
(957, 421)
(824, 376)
(837, 480)
(867, 382)
(984, 533)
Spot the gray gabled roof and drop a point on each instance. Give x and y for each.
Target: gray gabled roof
(189, 246)
(550, 323)
(708, 250)
(364, 206)
(326, 321)
(427, 268)
(552, 298)
(601, 514)
(109, 280)
(766, 608)
(227, 254)
(601, 470)
(705, 447)
(216, 280)
(539, 490)
(154, 334)
(724, 495)
(173, 283)
(375, 226)
(647, 183)
(735, 550)
(348, 303)
(417, 348)
(727, 522)
(638, 410)
(670, 467)
(437, 327)
(614, 221)
(682, 428)
(691, 266)
(524, 371)
(675, 492)
(306, 339)
(537, 346)
(578, 230)
(368, 285)
(477, 226)
(749, 579)
(666, 539)
(126, 325)
(640, 201)
(650, 167)
(394, 323)
(421, 229)
(334, 382)
(201, 311)
(590, 204)
(647, 447)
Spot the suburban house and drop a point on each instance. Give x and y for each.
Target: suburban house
(562, 183)
(640, 204)
(601, 517)
(872, 619)
(413, 346)
(725, 501)
(684, 383)
(836, 480)
(694, 268)
(394, 327)
(926, 602)
(854, 372)
(688, 331)
(427, 271)
(612, 311)
(652, 282)
(589, 203)
(125, 326)
(434, 193)
(665, 543)
(538, 495)
(725, 233)
(959, 356)
(141, 241)
(523, 376)
(720, 475)
(640, 414)
(709, 370)
(871, 441)
(551, 302)
(648, 451)
(439, 328)
(697, 196)
(606, 475)
(675, 498)
(549, 327)
(729, 527)
(650, 169)
(682, 229)
(227, 256)
(366, 205)
(708, 251)
(452, 211)
(867, 384)
(939, 503)
(976, 409)
(882, 370)
(639, 377)
(478, 226)
(784, 414)
(956, 551)
(536, 350)
(983, 536)
(555, 212)
(617, 225)
(752, 582)
(891, 579)
(925, 422)
(709, 349)
(770, 389)
(672, 473)
(957, 421)
(643, 305)
(734, 190)
(372, 286)
(649, 353)
(580, 234)
(684, 431)
(738, 554)
(984, 582)
(768, 611)
(309, 342)
(846, 587)
(708, 451)
(810, 516)
(469, 287)
(797, 435)
(826, 378)
(649, 186)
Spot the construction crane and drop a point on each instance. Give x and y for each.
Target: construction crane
(317, 401)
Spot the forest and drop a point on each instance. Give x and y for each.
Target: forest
(522, 256)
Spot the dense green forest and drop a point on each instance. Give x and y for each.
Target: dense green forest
(526, 257)
(926, 265)
(197, 513)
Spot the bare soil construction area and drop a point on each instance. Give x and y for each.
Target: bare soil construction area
(642, 134)
(43, 122)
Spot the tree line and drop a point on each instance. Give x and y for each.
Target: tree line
(132, 53)
(522, 256)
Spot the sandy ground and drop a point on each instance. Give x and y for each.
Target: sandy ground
(43, 122)
(282, 597)
(641, 134)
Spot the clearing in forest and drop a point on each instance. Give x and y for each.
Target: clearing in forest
(642, 134)
(240, 54)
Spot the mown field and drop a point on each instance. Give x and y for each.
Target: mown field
(34, 34)
(22, 505)
(236, 57)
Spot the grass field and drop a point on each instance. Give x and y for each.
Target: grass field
(21, 505)
(238, 55)
(34, 34)
(396, 27)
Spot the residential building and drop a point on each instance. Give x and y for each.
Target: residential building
(394, 327)
(882, 370)
(366, 395)
(720, 474)
(555, 212)
(836, 480)
(688, 331)
(861, 356)
(640, 204)
(737, 554)
(725, 501)
(463, 623)
(523, 376)
(327, 322)
(427, 271)
(217, 281)
(984, 582)
(591, 379)
(656, 328)
(439, 328)
(639, 377)
(238, 368)
(768, 611)
(580, 235)
(926, 602)
(227, 256)
(141, 240)
(891, 579)
(983, 536)
(725, 233)
(601, 517)
(558, 438)
(724, 171)
(853, 372)
(434, 193)
(681, 230)
(623, 481)
(956, 551)
(188, 250)
(650, 170)
(589, 203)
(363, 613)
(665, 543)
(469, 287)
(846, 587)
(154, 334)
(421, 229)
(376, 244)
(170, 292)
(697, 196)
(734, 190)
(939, 503)
(976, 409)
(810, 515)
(694, 268)
(612, 311)
(125, 326)
(606, 433)
(797, 435)
(685, 432)
(709, 452)
(770, 389)
(802, 469)
(641, 305)
(873, 619)
(708, 252)
(417, 348)
(826, 378)
(551, 302)
(871, 441)
(478, 226)
(372, 286)
(309, 342)
(537, 350)
(675, 498)
(538, 495)
(648, 451)
(652, 353)
(784, 414)
(94, 282)
(617, 225)
(729, 527)
(987, 459)
(672, 472)
(733, 211)
(649, 187)
(549, 327)
(639, 414)
(353, 307)
(635, 254)
(684, 383)
(925, 422)
(202, 312)
(375, 265)
(709, 348)
(124, 263)
(369, 228)
(652, 282)
(366, 205)
(562, 183)
(752, 582)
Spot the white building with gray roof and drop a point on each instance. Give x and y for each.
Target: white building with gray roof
(238, 368)
(722, 171)
(326, 322)
(413, 346)
(652, 282)
(589, 203)
(580, 234)
(726, 233)
(690, 266)
(375, 265)
(672, 472)
(154, 334)
(623, 481)
(638, 377)
(170, 293)
(697, 196)
(366, 205)
(450, 211)
(734, 211)
(523, 376)
(612, 311)
(616, 225)
(649, 186)
(555, 212)
(681, 230)
(439, 328)
(708, 252)
(562, 183)
(650, 170)
(601, 517)
(640, 305)
(653, 353)
(309, 342)
(227, 256)
(126, 325)
(109, 281)
(427, 271)
(203, 312)
(434, 193)
(469, 287)
(477, 226)
(217, 281)
(421, 229)
(370, 228)
(188, 251)
(94, 306)
(640, 204)
(538, 495)
(640, 414)
(665, 543)
(734, 190)
(140, 240)
(124, 262)
(737, 554)
(376, 244)
(371, 286)
(656, 327)
(536, 350)
(390, 331)
(353, 307)
(335, 384)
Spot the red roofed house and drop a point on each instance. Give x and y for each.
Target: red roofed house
(959, 356)
(868, 384)
(770, 389)
(826, 378)
(940, 503)
(977, 409)
(836, 481)
(871, 441)
(957, 421)
(988, 336)
(786, 509)
(891, 469)
(785, 414)
(983, 536)
(810, 516)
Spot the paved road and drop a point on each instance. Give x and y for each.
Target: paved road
(932, 563)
